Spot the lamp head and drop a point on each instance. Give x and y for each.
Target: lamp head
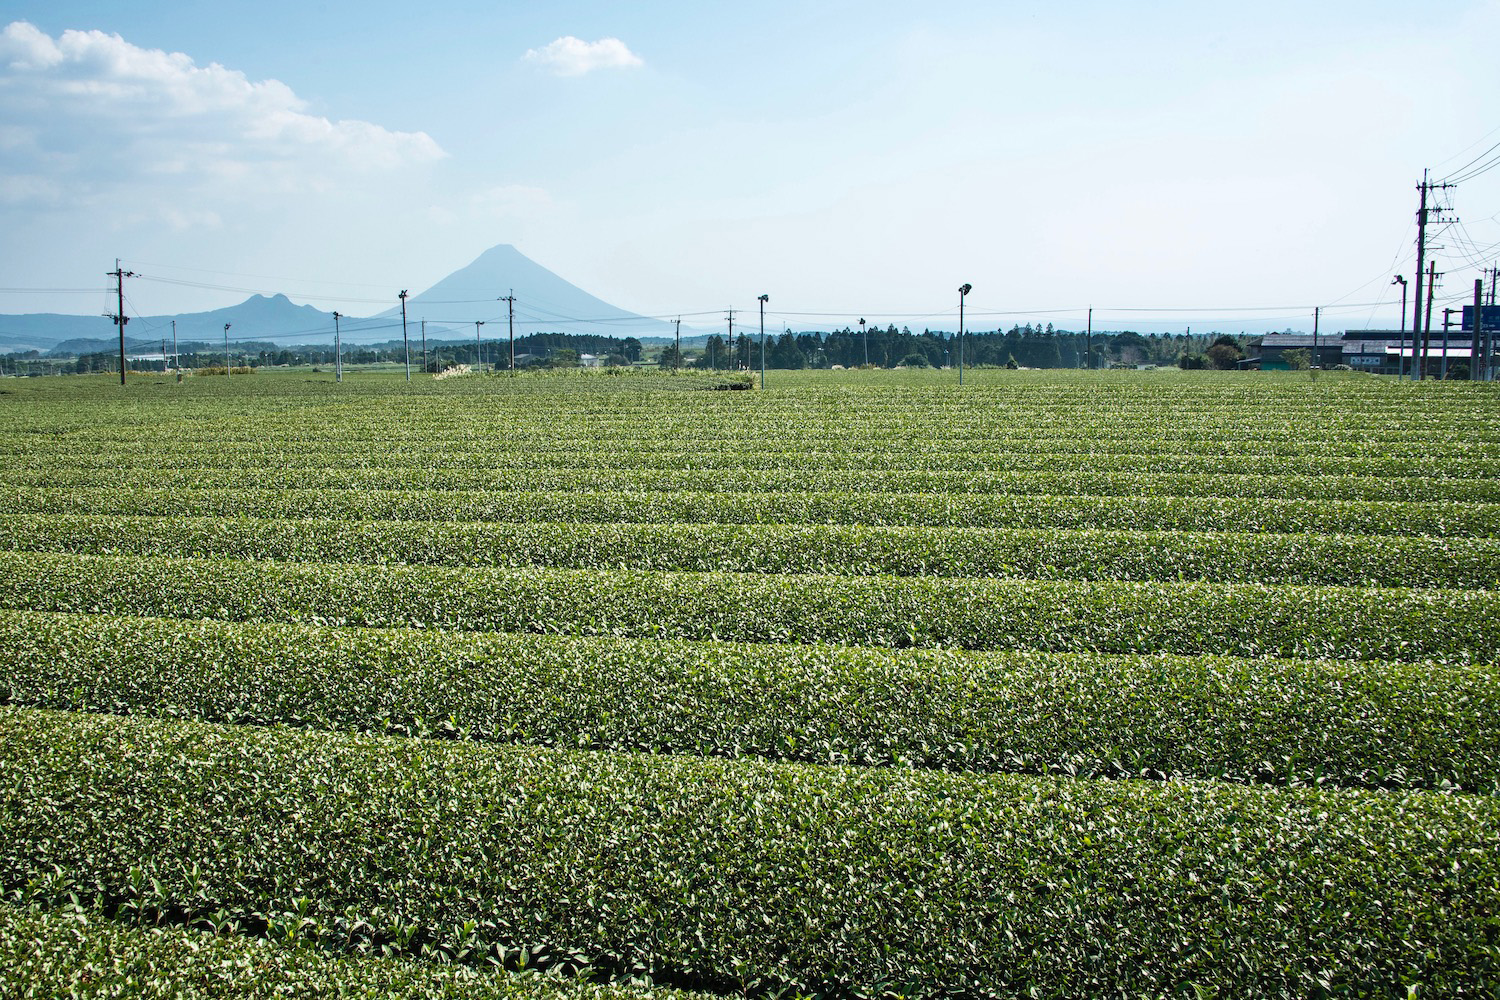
(765, 298)
(965, 288)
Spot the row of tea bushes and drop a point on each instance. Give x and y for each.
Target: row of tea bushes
(1448, 519)
(1277, 721)
(209, 458)
(71, 951)
(1254, 620)
(848, 550)
(1047, 482)
(854, 881)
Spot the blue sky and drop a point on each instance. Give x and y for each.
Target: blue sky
(852, 159)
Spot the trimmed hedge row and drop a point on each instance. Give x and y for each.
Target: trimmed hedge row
(1279, 721)
(1458, 626)
(850, 550)
(75, 952)
(856, 881)
(810, 456)
(1410, 489)
(938, 510)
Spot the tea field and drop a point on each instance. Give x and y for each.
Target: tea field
(1110, 684)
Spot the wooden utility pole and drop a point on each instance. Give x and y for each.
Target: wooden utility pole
(1427, 319)
(119, 315)
(1088, 343)
(510, 320)
(1447, 325)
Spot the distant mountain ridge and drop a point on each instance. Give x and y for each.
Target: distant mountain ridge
(545, 303)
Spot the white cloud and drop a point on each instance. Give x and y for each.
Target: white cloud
(95, 110)
(569, 56)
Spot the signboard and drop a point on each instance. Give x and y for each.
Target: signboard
(1490, 316)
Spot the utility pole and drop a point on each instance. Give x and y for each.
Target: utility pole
(229, 365)
(1416, 315)
(1478, 338)
(1316, 362)
(479, 344)
(1426, 186)
(729, 344)
(510, 319)
(865, 336)
(1427, 319)
(338, 350)
(678, 362)
(1088, 342)
(1488, 345)
(119, 314)
(1447, 325)
(404, 342)
(763, 300)
(963, 292)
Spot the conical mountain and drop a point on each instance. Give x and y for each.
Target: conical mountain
(545, 303)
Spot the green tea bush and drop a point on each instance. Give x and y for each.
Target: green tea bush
(1278, 721)
(833, 880)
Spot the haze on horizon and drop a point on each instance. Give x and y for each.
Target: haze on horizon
(1203, 165)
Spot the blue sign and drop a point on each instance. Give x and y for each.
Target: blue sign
(1490, 317)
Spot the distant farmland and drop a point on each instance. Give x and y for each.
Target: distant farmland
(1057, 684)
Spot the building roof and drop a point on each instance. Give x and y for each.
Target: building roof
(1276, 341)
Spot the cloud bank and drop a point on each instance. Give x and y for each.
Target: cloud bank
(569, 56)
(88, 110)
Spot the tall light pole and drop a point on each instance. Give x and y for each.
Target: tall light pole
(763, 300)
(865, 336)
(1401, 353)
(404, 342)
(963, 291)
(479, 344)
(338, 350)
(227, 363)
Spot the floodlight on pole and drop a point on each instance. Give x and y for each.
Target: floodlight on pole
(1401, 351)
(479, 344)
(406, 344)
(338, 349)
(963, 292)
(227, 364)
(865, 336)
(763, 300)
